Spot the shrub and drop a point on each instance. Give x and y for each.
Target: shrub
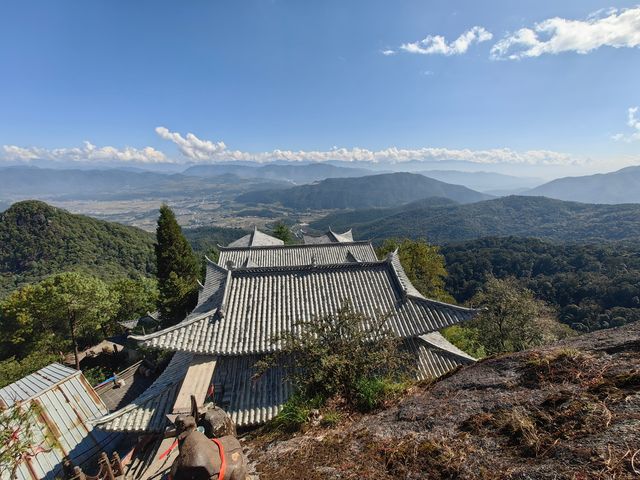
(331, 355)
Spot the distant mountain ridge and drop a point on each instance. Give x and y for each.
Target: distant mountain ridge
(485, 182)
(25, 182)
(622, 186)
(518, 216)
(298, 174)
(384, 190)
(37, 240)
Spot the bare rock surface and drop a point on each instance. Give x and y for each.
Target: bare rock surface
(567, 411)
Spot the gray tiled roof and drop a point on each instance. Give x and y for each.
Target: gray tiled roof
(258, 304)
(210, 294)
(433, 362)
(436, 340)
(256, 239)
(292, 255)
(147, 413)
(249, 401)
(329, 237)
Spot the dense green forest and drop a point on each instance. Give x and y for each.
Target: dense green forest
(592, 286)
(37, 240)
(516, 215)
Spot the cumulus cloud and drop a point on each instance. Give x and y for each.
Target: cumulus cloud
(613, 28)
(86, 153)
(388, 52)
(195, 149)
(634, 123)
(437, 44)
(191, 146)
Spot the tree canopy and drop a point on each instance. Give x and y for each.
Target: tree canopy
(56, 312)
(512, 319)
(281, 231)
(177, 269)
(423, 264)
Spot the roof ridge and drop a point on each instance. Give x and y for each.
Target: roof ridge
(297, 245)
(184, 323)
(309, 267)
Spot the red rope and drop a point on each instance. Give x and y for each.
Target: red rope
(223, 461)
(169, 450)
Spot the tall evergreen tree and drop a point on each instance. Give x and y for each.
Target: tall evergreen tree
(177, 269)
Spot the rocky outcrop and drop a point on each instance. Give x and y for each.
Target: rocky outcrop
(571, 410)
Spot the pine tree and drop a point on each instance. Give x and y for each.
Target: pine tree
(177, 268)
(283, 232)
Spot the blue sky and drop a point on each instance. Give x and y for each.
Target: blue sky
(259, 80)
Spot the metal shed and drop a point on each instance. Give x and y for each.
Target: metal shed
(66, 404)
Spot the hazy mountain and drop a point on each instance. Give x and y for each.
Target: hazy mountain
(294, 173)
(32, 182)
(37, 240)
(622, 186)
(384, 190)
(483, 181)
(509, 216)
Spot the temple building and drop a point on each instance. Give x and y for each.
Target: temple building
(259, 288)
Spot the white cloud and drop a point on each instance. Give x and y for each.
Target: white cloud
(191, 146)
(437, 44)
(388, 52)
(195, 149)
(87, 153)
(634, 123)
(612, 28)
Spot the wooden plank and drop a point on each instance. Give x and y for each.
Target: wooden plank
(196, 382)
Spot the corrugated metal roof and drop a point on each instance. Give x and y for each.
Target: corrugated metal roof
(34, 384)
(259, 304)
(67, 404)
(329, 237)
(147, 413)
(256, 239)
(292, 255)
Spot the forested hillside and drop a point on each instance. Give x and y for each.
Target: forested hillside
(37, 240)
(591, 286)
(385, 190)
(516, 215)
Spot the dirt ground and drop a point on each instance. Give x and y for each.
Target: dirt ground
(570, 411)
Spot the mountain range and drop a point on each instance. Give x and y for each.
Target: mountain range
(487, 182)
(23, 182)
(297, 174)
(622, 186)
(385, 190)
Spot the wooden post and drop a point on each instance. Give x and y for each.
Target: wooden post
(78, 474)
(117, 464)
(104, 460)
